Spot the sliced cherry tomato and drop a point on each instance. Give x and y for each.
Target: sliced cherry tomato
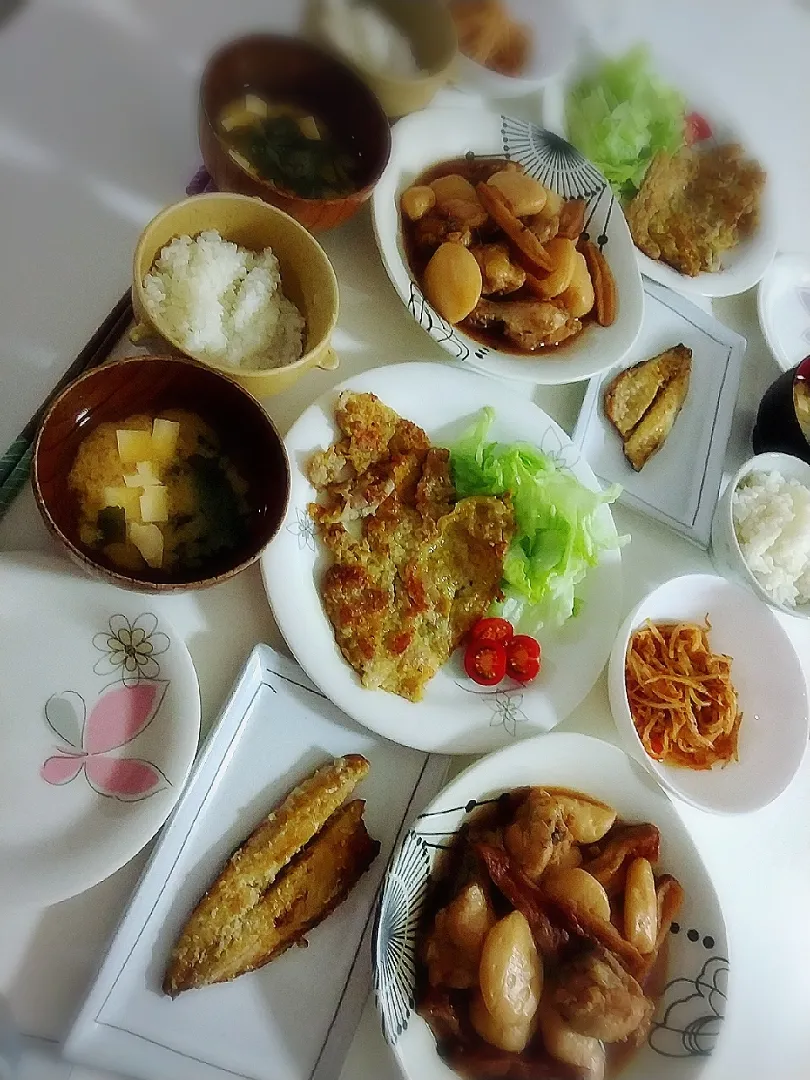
(523, 658)
(493, 630)
(696, 129)
(485, 662)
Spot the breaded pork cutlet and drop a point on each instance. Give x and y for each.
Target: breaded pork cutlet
(694, 205)
(412, 569)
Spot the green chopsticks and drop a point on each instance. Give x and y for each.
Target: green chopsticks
(15, 463)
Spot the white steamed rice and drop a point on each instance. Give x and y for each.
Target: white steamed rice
(772, 523)
(224, 303)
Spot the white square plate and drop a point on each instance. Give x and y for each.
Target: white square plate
(679, 485)
(294, 1018)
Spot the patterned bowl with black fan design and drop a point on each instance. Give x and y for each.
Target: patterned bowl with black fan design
(690, 1011)
(428, 138)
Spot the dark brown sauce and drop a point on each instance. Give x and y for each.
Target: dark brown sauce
(477, 170)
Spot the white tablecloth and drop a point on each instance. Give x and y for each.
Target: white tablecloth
(755, 56)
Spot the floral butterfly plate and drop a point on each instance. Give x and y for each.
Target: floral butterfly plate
(427, 138)
(100, 716)
(689, 1015)
(455, 716)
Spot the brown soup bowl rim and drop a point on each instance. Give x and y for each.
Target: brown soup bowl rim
(81, 553)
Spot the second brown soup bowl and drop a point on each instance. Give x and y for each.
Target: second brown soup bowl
(289, 71)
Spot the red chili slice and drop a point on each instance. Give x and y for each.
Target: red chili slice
(492, 630)
(523, 658)
(485, 662)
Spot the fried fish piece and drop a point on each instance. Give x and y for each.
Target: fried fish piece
(649, 436)
(694, 205)
(643, 402)
(630, 394)
(219, 918)
(307, 890)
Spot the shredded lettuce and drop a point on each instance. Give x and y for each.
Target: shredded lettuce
(559, 534)
(622, 116)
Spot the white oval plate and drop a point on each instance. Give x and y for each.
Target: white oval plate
(100, 716)
(743, 266)
(692, 1006)
(783, 305)
(770, 685)
(455, 716)
(427, 138)
(554, 29)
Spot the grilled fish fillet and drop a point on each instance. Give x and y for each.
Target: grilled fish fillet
(218, 919)
(305, 892)
(650, 435)
(643, 402)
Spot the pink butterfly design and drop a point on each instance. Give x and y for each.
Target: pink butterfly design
(119, 715)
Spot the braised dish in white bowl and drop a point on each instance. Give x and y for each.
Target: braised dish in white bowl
(507, 246)
(548, 918)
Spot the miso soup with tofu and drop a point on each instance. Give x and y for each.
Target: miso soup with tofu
(287, 147)
(157, 493)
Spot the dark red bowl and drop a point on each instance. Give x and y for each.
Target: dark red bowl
(152, 384)
(292, 72)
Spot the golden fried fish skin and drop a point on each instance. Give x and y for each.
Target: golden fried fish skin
(643, 402)
(651, 434)
(307, 844)
(412, 570)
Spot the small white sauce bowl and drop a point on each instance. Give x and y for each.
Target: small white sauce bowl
(766, 673)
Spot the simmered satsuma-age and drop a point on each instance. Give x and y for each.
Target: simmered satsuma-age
(544, 939)
(503, 256)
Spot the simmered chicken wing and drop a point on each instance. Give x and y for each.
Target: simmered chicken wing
(528, 324)
(598, 998)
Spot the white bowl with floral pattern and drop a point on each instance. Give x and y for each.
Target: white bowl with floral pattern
(690, 1011)
(428, 138)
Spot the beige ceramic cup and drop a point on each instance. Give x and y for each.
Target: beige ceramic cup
(431, 31)
(307, 278)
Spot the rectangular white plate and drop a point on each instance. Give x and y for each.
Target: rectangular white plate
(679, 485)
(294, 1018)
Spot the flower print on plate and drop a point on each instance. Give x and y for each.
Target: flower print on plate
(303, 528)
(130, 648)
(504, 705)
(99, 731)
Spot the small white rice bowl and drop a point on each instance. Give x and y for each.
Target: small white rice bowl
(224, 303)
(771, 518)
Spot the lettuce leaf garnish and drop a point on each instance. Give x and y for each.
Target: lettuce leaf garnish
(559, 532)
(621, 116)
